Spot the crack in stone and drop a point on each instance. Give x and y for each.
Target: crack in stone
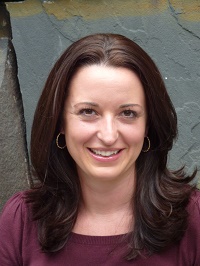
(195, 126)
(116, 18)
(55, 26)
(174, 14)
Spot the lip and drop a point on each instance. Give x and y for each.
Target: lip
(111, 158)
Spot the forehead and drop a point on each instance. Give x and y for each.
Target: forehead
(97, 80)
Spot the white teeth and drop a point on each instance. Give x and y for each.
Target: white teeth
(104, 153)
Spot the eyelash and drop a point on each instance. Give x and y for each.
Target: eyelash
(92, 112)
(84, 110)
(133, 113)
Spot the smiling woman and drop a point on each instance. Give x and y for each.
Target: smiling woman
(101, 134)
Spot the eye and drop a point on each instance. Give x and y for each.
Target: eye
(87, 112)
(129, 114)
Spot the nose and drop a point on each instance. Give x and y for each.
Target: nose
(108, 131)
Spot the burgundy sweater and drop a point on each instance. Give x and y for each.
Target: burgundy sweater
(19, 244)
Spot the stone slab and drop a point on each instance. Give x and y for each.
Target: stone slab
(14, 169)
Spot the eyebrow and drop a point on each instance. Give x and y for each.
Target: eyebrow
(130, 105)
(87, 103)
(121, 106)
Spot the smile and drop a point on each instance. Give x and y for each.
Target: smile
(104, 153)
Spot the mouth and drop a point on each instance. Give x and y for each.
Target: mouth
(104, 153)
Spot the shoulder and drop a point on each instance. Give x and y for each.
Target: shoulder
(13, 221)
(193, 207)
(15, 211)
(14, 206)
(16, 199)
(193, 210)
(191, 239)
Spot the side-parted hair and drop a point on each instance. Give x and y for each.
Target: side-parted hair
(161, 196)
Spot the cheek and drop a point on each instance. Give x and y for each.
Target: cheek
(134, 134)
(135, 139)
(78, 133)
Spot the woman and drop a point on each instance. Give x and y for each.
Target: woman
(103, 194)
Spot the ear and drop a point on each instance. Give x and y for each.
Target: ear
(62, 126)
(62, 131)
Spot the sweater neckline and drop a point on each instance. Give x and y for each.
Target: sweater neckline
(102, 240)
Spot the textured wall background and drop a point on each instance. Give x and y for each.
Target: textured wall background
(169, 30)
(14, 169)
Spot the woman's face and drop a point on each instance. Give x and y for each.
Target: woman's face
(105, 122)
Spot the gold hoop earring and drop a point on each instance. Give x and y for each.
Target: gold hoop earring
(57, 142)
(149, 145)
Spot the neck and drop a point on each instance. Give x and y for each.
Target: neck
(106, 206)
(107, 197)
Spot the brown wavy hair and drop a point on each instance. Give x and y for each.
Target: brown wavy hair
(161, 195)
